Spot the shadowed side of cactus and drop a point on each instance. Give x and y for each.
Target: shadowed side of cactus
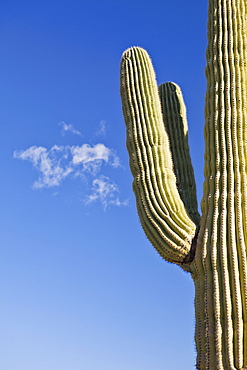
(175, 122)
(213, 249)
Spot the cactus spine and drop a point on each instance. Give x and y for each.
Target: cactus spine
(213, 248)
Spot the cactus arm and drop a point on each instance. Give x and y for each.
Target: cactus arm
(174, 117)
(220, 262)
(161, 210)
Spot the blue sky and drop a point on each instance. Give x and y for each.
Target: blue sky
(81, 286)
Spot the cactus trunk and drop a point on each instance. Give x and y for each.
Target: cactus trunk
(220, 269)
(213, 248)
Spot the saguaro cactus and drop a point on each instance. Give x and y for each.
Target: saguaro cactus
(212, 248)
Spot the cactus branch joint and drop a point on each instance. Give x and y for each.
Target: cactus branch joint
(211, 247)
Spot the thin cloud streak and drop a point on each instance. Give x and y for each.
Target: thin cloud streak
(68, 128)
(102, 128)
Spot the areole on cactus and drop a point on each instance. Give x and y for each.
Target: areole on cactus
(213, 247)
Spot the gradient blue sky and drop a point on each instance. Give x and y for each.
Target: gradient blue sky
(81, 286)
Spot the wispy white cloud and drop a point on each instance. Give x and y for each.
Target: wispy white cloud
(49, 163)
(92, 158)
(86, 153)
(105, 191)
(68, 128)
(60, 162)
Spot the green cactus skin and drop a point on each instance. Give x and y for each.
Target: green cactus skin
(162, 212)
(213, 248)
(174, 118)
